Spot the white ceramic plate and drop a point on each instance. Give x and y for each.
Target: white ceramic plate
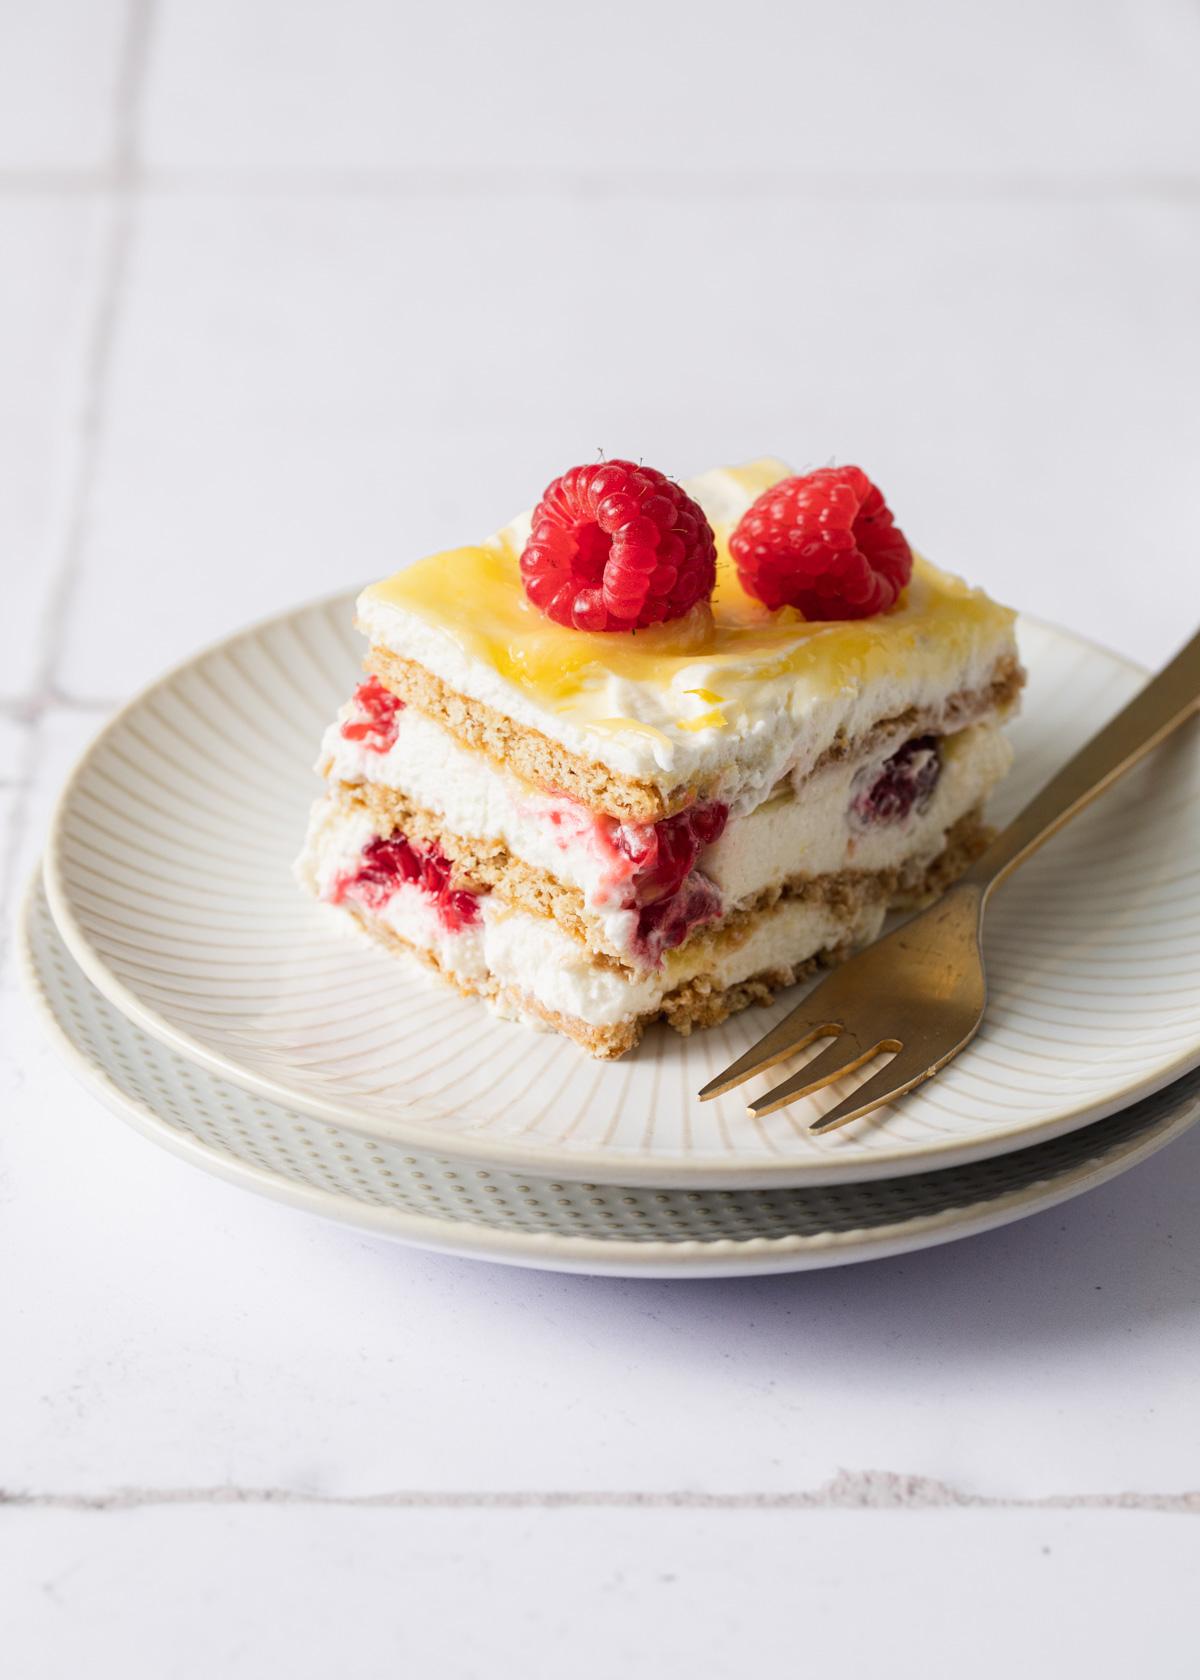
(168, 873)
(466, 1208)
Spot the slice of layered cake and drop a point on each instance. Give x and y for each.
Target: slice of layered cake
(658, 750)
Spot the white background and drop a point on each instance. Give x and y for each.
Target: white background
(293, 292)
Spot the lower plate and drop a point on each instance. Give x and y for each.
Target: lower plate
(562, 1225)
(168, 871)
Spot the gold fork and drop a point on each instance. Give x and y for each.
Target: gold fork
(921, 991)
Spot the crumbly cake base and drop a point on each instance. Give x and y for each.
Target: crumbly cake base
(517, 747)
(479, 865)
(701, 1001)
(485, 866)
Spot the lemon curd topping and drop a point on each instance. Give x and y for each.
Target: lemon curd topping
(725, 654)
(721, 675)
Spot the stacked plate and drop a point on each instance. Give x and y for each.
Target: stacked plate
(203, 998)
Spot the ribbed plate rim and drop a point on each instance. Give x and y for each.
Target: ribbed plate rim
(654, 1258)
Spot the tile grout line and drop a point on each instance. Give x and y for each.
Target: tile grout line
(122, 187)
(878, 1490)
(98, 360)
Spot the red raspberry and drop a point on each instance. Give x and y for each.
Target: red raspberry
(824, 542)
(388, 864)
(617, 547)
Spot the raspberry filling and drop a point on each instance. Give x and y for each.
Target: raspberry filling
(647, 867)
(663, 853)
(374, 723)
(904, 783)
(670, 899)
(390, 864)
(667, 922)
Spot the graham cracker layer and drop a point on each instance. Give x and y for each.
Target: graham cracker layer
(482, 866)
(516, 747)
(550, 766)
(702, 1001)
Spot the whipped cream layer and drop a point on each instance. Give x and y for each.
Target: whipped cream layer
(728, 699)
(806, 827)
(506, 954)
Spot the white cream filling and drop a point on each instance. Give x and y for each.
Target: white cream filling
(472, 797)
(807, 827)
(482, 803)
(532, 954)
(529, 954)
(810, 829)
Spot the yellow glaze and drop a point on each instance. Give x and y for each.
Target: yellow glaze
(706, 720)
(755, 657)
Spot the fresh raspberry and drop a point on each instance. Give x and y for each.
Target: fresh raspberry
(617, 547)
(374, 720)
(824, 542)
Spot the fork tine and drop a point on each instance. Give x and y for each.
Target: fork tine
(795, 1032)
(903, 1073)
(842, 1056)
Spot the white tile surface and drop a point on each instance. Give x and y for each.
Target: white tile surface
(308, 391)
(12, 779)
(58, 73)
(389, 270)
(51, 250)
(462, 1595)
(1028, 88)
(204, 1338)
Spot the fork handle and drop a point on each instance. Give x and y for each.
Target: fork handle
(1149, 718)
